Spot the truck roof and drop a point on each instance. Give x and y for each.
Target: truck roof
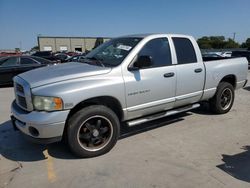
(144, 35)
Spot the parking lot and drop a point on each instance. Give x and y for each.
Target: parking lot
(193, 149)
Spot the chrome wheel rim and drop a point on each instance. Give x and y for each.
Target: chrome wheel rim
(226, 98)
(95, 133)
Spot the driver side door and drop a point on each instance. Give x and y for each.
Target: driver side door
(151, 89)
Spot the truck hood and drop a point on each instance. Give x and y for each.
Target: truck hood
(61, 72)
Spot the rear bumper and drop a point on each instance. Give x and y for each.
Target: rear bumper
(40, 127)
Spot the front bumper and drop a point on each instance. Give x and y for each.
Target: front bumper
(42, 127)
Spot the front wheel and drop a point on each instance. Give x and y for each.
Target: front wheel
(93, 131)
(223, 100)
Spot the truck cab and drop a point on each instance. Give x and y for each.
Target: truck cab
(173, 78)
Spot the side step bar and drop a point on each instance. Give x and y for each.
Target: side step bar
(161, 115)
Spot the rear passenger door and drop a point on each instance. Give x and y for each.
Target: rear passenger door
(151, 89)
(190, 72)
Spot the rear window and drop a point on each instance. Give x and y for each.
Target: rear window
(184, 50)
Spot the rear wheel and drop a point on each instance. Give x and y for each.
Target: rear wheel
(93, 131)
(223, 100)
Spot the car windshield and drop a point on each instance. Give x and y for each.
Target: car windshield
(113, 52)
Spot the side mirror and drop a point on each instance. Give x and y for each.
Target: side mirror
(141, 62)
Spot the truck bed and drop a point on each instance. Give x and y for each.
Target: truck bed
(217, 69)
(214, 58)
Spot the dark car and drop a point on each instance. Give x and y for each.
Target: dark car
(212, 57)
(76, 58)
(243, 53)
(47, 55)
(12, 66)
(63, 57)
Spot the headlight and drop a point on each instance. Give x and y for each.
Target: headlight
(47, 103)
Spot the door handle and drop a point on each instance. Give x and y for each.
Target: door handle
(167, 75)
(198, 70)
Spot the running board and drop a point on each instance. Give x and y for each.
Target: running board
(161, 115)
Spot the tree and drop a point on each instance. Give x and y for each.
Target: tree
(17, 49)
(211, 42)
(35, 48)
(230, 43)
(246, 44)
(216, 42)
(204, 43)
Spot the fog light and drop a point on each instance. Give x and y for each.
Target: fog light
(33, 131)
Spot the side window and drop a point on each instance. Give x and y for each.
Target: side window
(12, 61)
(159, 50)
(27, 61)
(184, 50)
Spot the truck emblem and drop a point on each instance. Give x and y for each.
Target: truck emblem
(139, 92)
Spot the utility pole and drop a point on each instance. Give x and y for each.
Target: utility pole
(20, 43)
(234, 34)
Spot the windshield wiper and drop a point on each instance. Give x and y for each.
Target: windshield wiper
(96, 59)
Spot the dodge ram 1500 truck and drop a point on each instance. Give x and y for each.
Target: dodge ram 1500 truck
(129, 80)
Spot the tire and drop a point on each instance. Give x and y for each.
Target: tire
(92, 131)
(223, 99)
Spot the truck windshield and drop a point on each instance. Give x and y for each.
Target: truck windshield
(113, 52)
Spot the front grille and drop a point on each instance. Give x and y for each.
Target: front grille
(23, 94)
(22, 101)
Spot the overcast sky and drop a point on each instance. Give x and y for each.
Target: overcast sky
(22, 20)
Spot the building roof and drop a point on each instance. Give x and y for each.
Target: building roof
(72, 37)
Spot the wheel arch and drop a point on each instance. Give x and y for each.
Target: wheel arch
(230, 79)
(108, 101)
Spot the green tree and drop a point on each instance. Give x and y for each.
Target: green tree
(230, 43)
(246, 44)
(35, 48)
(17, 49)
(216, 42)
(204, 43)
(211, 42)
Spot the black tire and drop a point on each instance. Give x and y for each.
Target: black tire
(91, 126)
(221, 104)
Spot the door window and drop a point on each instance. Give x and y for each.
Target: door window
(159, 50)
(7, 62)
(184, 50)
(27, 61)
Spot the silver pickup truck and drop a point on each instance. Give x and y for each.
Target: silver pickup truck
(129, 80)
